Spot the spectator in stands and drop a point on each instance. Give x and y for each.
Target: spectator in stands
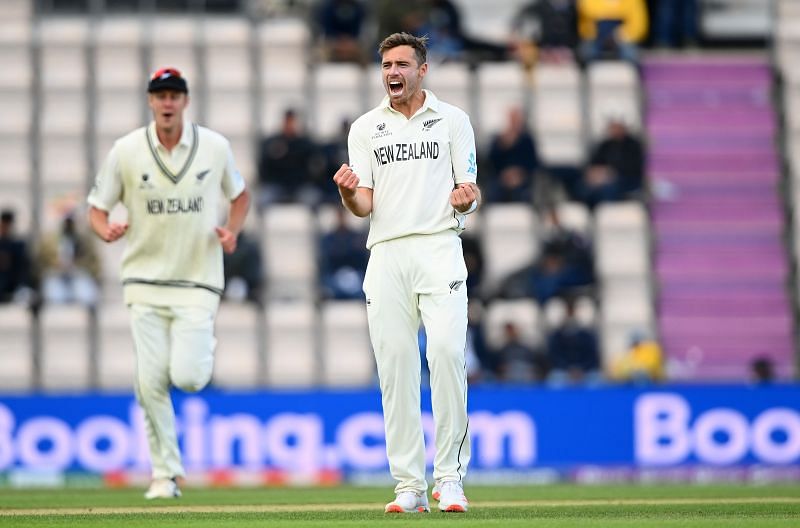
(676, 23)
(473, 258)
(616, 167)
(573, 351)
(564, 266)
(642, 363)
(611, 28)
(343, 260)
(516, 361)
(440, 20)
(340, 23)
(762, 370)
(514, 162)
(546, 31)
(69, 265)
(16, 280)
(392, 17)
(576, 248)
(244, 271)
(289, 163)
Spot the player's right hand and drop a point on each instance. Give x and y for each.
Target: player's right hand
(346, 180)
(114, 231)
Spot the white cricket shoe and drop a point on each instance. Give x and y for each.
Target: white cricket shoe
(437, 491)
(451, 497)
(163, 489)
(409, 502)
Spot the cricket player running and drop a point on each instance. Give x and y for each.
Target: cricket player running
(412, 168)
(171, 176)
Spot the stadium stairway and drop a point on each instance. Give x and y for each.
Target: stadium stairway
(720, 262)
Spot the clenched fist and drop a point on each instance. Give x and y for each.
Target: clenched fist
(463, 195)
(346, 180)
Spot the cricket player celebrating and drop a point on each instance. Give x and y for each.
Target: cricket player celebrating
(413, 170)
(171, 176)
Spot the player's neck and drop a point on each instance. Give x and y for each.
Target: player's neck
(410, 106)
(169, 137)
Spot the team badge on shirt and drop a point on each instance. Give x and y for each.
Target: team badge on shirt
(382, 131)
(202, 175)
(427, 125)
(145, 183)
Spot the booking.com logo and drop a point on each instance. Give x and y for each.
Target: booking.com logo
(666, 433)
(291, 441)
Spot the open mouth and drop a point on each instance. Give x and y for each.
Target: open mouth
(395, 87)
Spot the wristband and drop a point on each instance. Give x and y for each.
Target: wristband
(472, 207)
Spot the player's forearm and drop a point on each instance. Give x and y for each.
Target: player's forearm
(98, 220)
(238, 212)
(359, 203)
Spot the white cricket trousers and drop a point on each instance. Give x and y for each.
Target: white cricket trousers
(174, 346)
(420, 276)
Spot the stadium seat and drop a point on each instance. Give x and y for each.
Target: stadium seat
(347, 359)
(282, 87)
(238, 361)
(338, 93)
(283, 42)
(229, 75)
(291, 357)
(622, 240)
(116, 365)
(627, 300)
(489, 20)
(510, 238)
(452, 82)
(524, 313)
(64, 112)
(558, 114)
(574, 216)
(64, 42)
(119, 111)
(63, 161)
(15, 151)
(65, 347)
(118, 54)
(16, 354)
(501, 87)
(289, 243)
(613, 92)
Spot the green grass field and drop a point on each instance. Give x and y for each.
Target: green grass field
(538, 506)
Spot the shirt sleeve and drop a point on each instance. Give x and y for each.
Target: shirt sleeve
(232, 180)
(107, 188)
(462, 150)
(360, 156)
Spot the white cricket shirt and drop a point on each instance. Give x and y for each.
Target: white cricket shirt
(412, 166)
(173, 256)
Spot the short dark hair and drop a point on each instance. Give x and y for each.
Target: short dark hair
(420, 45)
(7, 216)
